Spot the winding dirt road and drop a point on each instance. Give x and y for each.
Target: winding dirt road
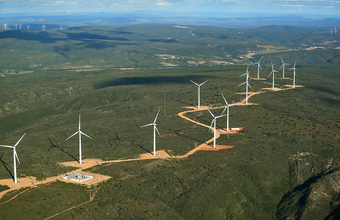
(161, 154)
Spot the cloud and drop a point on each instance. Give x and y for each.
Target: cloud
(163, 4)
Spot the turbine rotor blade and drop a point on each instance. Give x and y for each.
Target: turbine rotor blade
(85, 134)
(220, 116)
(147, 125)
(72, 135)
(19, 140)
(79, 123)
(224, 99)
(270, 73)
(210, 112)
(6, 146)
(157, 131)
(193, 82)
(16, 155)
(156, 116)
(210, 128)
(242, 84)
(203, 82)
(224, 110)
(260, 60)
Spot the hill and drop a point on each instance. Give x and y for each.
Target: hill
(284, 164)
(144, 46)
(249, 181)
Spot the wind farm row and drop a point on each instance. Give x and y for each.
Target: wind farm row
(20, 27)
(212, 127)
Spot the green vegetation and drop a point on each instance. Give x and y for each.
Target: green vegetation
(3, 188)
(289, 147)
(45, 201)
(144, 46)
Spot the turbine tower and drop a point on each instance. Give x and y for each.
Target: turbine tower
(28, 26)
(226, 108)
(15, 157)
(214, 122)
(20, 26)
(199, 92)
(294, 68)
(272, 72)
(80, 133)
(283, 68)
(154, 132)
(61, 27)
(258, 67)
(5, 26)
(16, 26)
(247, 83)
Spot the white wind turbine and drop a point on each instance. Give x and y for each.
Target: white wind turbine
(154, 132)
(226, 108)
(16, 26)
(80, 133)
(258, 67)
(43, 27)
(247, 83)
(5, 26)
(20, 26)
(214, 122)
(294, 68)
(272, 72)
(283, 68)
(61, 27)
(28, 26)
(198, 92)
(15, 157)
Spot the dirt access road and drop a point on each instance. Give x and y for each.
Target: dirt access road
(29, 182)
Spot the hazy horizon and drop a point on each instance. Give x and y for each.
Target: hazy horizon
(244, 8)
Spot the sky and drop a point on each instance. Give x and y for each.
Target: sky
(248, 7)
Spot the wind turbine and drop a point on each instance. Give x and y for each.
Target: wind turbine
(214, 122)
(43, 27)
(226, 108)
(247, 83)
(16, 26)
(28, 26)
(272, 72)
(283, 68)
(294, 68)
(258, 67)
(61, 27)
(80, 133)
(15, 157)
(20, 26)
(5, 26)
(154, 132)
(198, 92)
